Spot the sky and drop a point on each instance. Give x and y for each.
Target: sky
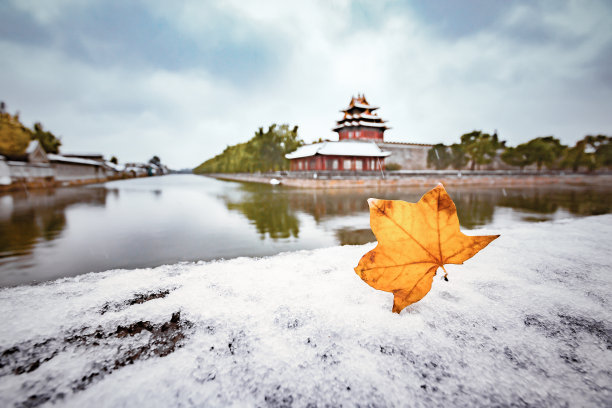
(184, 79)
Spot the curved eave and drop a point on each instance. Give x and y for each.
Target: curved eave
(342, 148)
(364, 107)
(372, 126)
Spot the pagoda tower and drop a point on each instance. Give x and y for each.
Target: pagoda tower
(360, 122)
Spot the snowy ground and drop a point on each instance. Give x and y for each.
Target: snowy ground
(528, 321)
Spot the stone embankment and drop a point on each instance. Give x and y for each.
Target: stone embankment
(420, 178)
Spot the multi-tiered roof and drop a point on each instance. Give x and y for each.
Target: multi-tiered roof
(360, 114)
(356, 149)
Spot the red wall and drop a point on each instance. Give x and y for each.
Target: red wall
(323, 163)
(365, 134)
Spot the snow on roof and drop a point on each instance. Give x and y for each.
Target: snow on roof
(116, 167)
(363, 106)
(32, 146)
(526, 320)
(305, 151)
(84, 155)
(73, 160)
(360, 123)
(374, 124)
(343, 148)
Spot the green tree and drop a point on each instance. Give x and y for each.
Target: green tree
(458, 156)
(48, 141)
(592, 152)
(114, 160)
(603, 150)
(544, 151)
(439, 157)
(264, 152)
(517, 156)
(480, 148)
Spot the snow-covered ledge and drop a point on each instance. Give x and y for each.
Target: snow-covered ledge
(525, 322)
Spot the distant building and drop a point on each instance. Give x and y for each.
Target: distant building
(77, 169)
(356, 150)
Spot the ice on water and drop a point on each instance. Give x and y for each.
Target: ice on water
(527, 321)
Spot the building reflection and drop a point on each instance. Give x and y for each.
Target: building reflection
(274, 211)
(29, 217)
(347, 236)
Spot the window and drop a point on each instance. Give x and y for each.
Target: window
(357, 133)
(372, 165)
(335, 165)
(358, 164)
(347, 164)
(299, 165)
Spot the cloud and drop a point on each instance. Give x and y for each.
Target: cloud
(184, 80)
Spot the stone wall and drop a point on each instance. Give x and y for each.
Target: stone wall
(73, 172)
(16, 175)
(22, 171)
(428, 179)
(410, 156)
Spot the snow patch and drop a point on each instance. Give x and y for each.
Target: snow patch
(527, 321)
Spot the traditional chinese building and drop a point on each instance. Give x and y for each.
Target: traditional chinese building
(355, 150)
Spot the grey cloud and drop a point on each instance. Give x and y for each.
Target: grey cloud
(126, 34)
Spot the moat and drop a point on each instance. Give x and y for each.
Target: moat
(49, 234)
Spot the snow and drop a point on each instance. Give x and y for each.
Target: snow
(343, 148)
(75, 160)
(362, 123)
(365, 106)
(526, 322)
(32, 146)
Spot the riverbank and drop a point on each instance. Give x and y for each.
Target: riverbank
(52, 183)
(525, 322)
(420, 179)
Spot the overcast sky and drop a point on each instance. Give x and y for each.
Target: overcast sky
(184, 79)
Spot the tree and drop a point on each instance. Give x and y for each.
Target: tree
(265, 151)
(591, 152)
(517, 156)
(603, 150)
(458, 157)
(155, 160)
(439, 157)
(114, 160)
(480, 148)
(14, 137)
(544, 150)
(48, 141)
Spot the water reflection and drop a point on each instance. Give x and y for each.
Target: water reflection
(274, 210)
(148, 222)
(267, 208)
(26, 218)
(578, 201)
(347, 236)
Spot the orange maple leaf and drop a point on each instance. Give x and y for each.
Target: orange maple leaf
(414, 240)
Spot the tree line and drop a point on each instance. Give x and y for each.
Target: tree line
(477, 148)
(15, 136)
(265, 151)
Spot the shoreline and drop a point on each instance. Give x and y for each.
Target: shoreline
(420, 179)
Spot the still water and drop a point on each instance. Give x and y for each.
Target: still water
(148, 222)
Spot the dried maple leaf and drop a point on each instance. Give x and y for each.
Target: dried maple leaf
(414, 240)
